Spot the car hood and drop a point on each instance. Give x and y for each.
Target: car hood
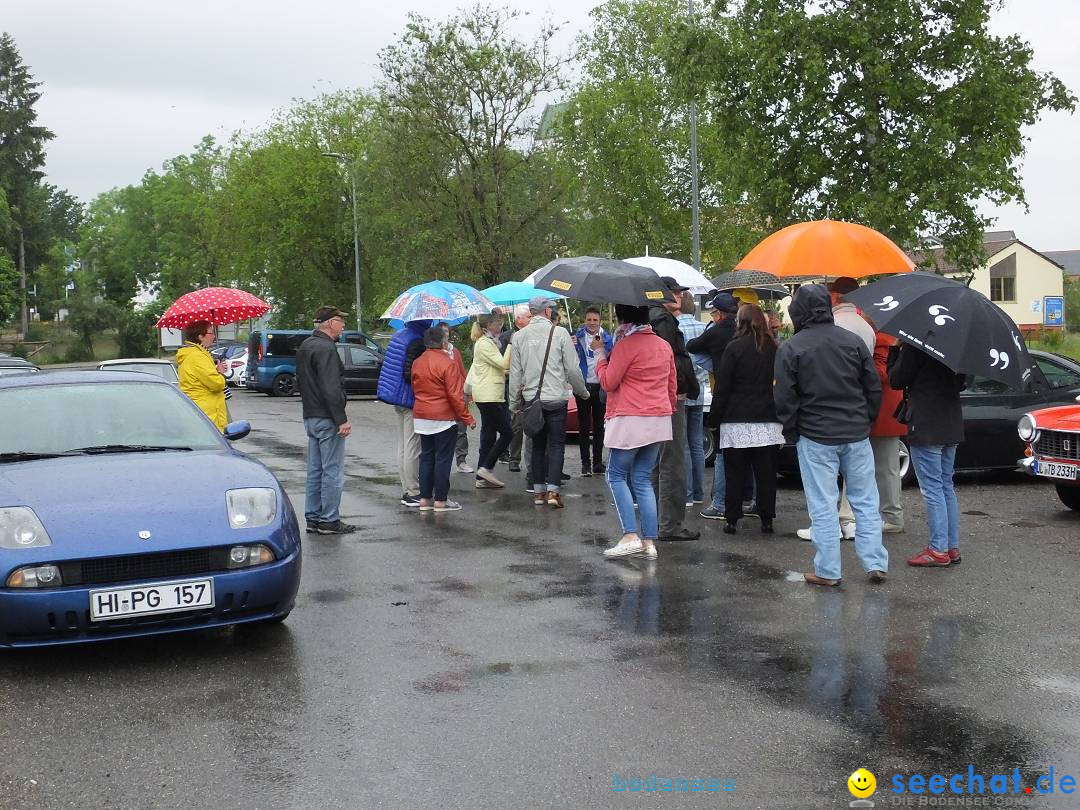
(1066, 417)
(97, 505)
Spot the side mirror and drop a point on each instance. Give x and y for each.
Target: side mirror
(237, 430)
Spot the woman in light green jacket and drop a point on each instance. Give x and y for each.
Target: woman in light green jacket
(487, 385)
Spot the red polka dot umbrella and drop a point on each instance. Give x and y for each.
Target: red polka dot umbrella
(219, 305)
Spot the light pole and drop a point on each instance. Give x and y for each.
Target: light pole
(695, 224)
(350, 165)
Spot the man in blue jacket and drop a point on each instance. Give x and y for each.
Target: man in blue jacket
(395, 388)
(591, 411)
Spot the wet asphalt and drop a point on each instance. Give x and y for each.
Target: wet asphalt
(492, 658)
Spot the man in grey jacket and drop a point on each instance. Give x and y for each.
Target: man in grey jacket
(562, 373)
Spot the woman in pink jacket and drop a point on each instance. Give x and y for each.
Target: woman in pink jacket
(639, 379)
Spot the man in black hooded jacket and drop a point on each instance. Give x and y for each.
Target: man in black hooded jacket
(670, 478)
(827, 394)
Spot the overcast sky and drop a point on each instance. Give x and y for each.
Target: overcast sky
(130, 83)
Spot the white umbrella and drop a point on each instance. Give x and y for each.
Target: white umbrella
(682, 272)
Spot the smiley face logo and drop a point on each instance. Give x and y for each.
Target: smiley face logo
(861, 783)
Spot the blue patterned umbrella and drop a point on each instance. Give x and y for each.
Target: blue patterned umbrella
(438, 301)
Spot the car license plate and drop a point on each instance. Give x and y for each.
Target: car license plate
(154, 597)
(1049, 469)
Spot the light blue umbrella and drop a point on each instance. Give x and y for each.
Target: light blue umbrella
(515, 292)
(438, 301)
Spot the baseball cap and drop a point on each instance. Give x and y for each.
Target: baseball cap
(724, 302)
(326, 313)
(672, 284)
(843, 285)
(540, 303)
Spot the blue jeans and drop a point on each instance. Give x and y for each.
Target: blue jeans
(719, 480)
(436, 457)
(695, 459)
(934, 467)
(548, 448)
(819, 465)
(325, 471)
(632, 470)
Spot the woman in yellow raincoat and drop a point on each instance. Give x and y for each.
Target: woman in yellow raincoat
(200, 378)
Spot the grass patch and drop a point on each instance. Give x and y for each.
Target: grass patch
(1069, 345)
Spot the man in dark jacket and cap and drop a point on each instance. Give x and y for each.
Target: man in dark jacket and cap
(827, 393)
(671, 471)
(722, 307)
(319, 373)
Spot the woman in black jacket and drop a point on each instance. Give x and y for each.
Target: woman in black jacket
(935, 427)
(743, 412)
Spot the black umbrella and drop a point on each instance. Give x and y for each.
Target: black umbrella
(952, 323)
(588, 278)
(767, 286)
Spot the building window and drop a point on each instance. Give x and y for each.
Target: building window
(1003, 280)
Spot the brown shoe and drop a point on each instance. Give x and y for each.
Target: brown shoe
(814, 579)
(877, 577)
(554, 499)
(539, 499)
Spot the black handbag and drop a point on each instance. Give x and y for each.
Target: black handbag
(532, 415)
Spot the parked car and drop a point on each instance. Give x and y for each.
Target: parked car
(1051, 439)
(16, 365)
(362, 367)
(271, 364)
(991, 410)
(146, 365)
(236, 366)
(137, 518)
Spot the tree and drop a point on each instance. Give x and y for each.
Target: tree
(459, 103)
(22, 150)
(898, 114)
(629, 145)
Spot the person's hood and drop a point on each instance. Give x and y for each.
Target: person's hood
(186, 352)
(811, 304)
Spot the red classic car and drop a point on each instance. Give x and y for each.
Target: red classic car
(1052, 438)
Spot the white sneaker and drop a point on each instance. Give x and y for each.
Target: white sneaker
(847, 531)
(649, 553)
(625, 549)
(489, 476)
(805, 534)
(464, 467)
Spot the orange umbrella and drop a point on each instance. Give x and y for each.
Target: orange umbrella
(827, 248)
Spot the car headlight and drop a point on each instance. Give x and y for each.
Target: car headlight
(251, 508)
(35, 576)
(247, 556)
(20, 528)
(1028, 430)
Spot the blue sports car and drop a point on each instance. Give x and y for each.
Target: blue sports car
(124, 512)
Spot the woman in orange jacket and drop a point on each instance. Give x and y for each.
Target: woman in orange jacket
(438, 383)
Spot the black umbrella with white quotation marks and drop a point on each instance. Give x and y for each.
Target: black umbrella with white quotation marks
(952, 323)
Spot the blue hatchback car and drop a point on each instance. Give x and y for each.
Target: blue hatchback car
(124, 512)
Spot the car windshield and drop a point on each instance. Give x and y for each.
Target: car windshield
(60, 418)
(166, 371)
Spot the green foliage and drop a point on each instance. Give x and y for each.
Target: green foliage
(19, 350)
(629, 145)
(1072, 303)
(898, 114)
(136, 334)
(37, 332)
(458, 104)
(9, 288)
(88, 315)
(79, 352)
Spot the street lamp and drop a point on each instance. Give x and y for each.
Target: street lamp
(350, 165)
